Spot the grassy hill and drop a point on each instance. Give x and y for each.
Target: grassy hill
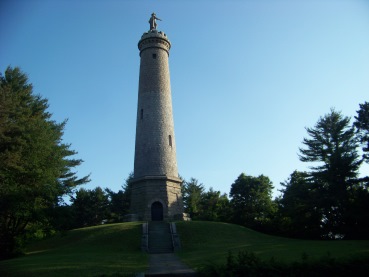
(95, 251)
(210, 243)
(114, 250)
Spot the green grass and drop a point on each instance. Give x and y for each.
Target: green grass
(206, 243)
(95, 251)
(114, 250)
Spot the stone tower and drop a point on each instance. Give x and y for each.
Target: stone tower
(156, 187)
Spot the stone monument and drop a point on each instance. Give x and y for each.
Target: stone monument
(156, 187)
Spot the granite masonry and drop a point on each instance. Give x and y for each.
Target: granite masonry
(156, 187)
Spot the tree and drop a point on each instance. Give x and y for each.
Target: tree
(332, 146)
(91, 207)
(117, 205)
(362, 126)
(192, 193)
(120, 202)
(35, 168)
(127, 192)
(299, 214)
(357, 215)
(214, 206)
(251, 201)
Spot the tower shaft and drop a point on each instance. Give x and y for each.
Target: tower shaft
(155, 152)
(156, 188)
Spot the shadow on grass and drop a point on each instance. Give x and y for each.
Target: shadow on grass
(108, 250)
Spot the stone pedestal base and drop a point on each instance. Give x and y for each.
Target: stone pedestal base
(157, 198)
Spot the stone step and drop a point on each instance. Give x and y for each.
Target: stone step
(160, 238)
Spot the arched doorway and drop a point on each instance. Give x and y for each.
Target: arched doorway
(157, 211)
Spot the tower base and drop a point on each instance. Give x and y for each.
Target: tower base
(157, 198)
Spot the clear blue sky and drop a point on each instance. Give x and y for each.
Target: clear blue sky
(247, 78)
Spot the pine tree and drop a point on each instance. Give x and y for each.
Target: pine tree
(192, 193)
(332, 147)
(362, 125)
(299, 207)
(35, 165)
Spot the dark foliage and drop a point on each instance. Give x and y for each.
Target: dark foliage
(192, 193)
(251, 201)
(362, 126)
(208, 205)
(90, 207)
(100, 206)
(35, 165)
(298, 208)
(248, 264)
(332, 147)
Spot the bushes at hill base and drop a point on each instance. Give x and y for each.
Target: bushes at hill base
(248, 264)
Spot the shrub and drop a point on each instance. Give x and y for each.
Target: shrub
(248, 264)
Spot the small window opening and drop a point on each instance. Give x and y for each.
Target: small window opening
(154, 56)
(170, 140)
(142, 114)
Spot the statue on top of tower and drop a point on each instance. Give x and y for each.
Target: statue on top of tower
(152, 21)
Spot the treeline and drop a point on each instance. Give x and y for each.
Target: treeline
(250, 202)
(91, 207)
(330, 201)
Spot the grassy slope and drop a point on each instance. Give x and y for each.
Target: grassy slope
(115, 249)
(210, 242)
(107, 249)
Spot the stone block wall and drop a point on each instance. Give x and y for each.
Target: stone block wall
(152, 189)
(155, 167)
(155, 151)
